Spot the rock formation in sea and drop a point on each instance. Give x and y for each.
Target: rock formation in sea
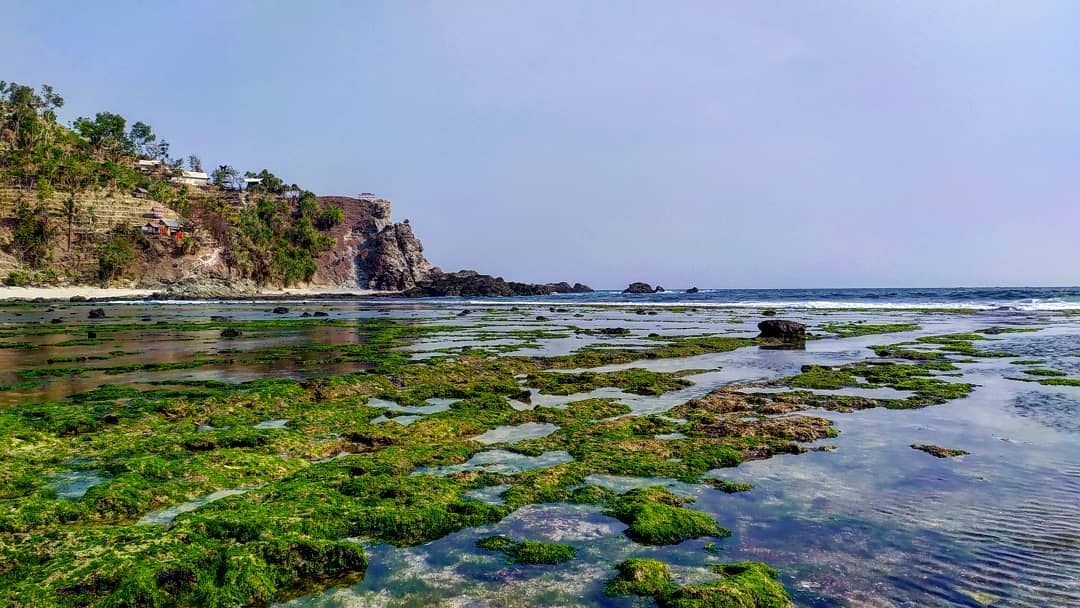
(469, 283)
(638, 287)
(782, 330)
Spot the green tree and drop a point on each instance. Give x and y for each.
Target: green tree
(114, 255)
(329, 217)
(33, 233)
(142, 138)
(224, 176)
(105, 133)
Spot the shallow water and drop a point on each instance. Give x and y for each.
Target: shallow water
(874, 523)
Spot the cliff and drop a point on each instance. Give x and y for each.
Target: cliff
(370, 251)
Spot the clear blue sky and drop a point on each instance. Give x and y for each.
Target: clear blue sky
(718, 144)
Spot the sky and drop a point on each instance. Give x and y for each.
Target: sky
(793, 143)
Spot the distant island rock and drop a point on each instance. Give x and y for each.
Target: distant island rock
(472, 284)
(693, 290)
(638, 287)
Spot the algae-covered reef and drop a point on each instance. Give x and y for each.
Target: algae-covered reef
(743, 585)
(268, 489)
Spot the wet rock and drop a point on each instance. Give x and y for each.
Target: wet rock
(464, 312)
(220, 319)
(77, 299)
(692, 290)
(938, 451)
(638, 288)
(768, 312)
(782, 330)
(280, 310)
(319, 313)
(306, 314)
(614, 331)
(659, 289)
(97, 313)
(230, 332)
(469, 283)
(542, 318)
(56, 321)
(565, 287)
(91, 335)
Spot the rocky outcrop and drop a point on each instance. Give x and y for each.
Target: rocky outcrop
(693, 290)
(472, 284)
(565, 287)
(371, 251)
(779, 329)
(638, 288)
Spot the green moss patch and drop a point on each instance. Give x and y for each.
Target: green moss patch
(527, 551)
(744, 585)
(655, 516)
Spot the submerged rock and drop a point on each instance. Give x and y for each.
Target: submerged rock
(280, 310)
(97, 313)
(319, 313)
(230, 332)
(936, 450)
(781, 329)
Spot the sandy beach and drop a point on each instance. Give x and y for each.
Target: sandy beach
(97, 293)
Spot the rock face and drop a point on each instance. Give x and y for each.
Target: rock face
(692, 290)
(639, 288)
(370, 250)
(471, 284)
(782, 330)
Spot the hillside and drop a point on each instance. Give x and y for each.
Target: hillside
(101, 203)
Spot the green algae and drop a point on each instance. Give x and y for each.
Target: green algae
(1028, 362)
(850, 330)
(528, 551)
(1044, 372)
(655, 516)
(635, 380)
(729, 487)
(938, 451)
(744, 585)
(1060, 382)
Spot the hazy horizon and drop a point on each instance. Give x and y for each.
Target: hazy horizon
(716, 145)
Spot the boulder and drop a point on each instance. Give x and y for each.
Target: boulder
(230, 332)
(97, 313)
(280, 310)
(659, 289)
(319, 313)
(638, 288)
(780, 329)
(692, 290)
(77, 299)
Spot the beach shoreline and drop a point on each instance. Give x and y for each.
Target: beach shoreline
(90, 293)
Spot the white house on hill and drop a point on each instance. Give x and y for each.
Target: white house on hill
(191, 178)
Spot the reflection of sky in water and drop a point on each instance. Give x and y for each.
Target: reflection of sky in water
(515, 434)
(874, 523)
(166, 516)
(74, 484)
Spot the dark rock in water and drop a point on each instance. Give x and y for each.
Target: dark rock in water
(306, 314)
(565, 287)
(464, 312)
(638, 288)
(97, 313)
(471, 284)
(230, 332)
(542, 318)
(147, 319)
(77, 299)
(219, 319)
(514, 309)
(940, 452)
(659, 289)
(781, 329)
(91, 335)
(56, 321)
(562, 310)
(280, 310)
(652, 313)
(319, 313)
(614, 331)
(641, 312)
(768, 312)
(692, 290)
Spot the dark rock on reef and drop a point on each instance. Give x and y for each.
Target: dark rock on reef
(306, 314)
(91, 335)
(471, 284)
(280, 310)
(56, 321)
(319, 313)
(613, 331)
(782, 330)
(542, 318)
(464, 312)
(219, 318)
(768, 313)
(77, 299)
(97, 313)
(693, 290)
(638, 288)
(230, 332)
(659, 289)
